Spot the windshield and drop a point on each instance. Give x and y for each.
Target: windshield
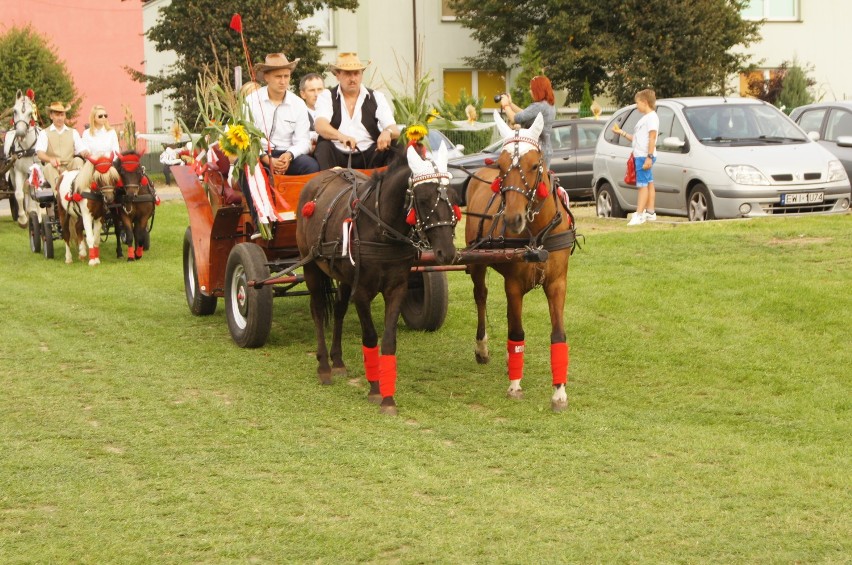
(742, 124)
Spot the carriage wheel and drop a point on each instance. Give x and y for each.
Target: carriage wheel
(249, 310)
(34, 229)
(47, 238)
(425, 306)
(13, 208)
(199, 304)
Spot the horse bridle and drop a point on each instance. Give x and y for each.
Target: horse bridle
(528, 191)
(29, 151)
(423, 221)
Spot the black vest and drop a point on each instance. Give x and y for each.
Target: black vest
(368, 112)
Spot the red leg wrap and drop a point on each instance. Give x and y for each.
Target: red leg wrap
(130, 253)
(139, 251)
(94, 252)
(516, 359)
(371, 363)
(559, 356)
(387, 375)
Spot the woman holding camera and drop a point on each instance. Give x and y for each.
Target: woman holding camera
(543, 103)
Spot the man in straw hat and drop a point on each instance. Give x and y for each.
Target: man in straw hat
(351, 116)
(283, 118)
(59, 147)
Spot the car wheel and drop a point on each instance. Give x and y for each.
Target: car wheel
(699, 205)
(606, 203)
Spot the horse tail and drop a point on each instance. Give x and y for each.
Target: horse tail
(327, 293)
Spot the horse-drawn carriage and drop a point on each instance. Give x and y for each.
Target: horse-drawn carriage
(517, 223)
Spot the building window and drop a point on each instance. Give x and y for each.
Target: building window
(321, 20)
(479, 84)
(158, 117)
(772, 10)
(756, 83)
(447, 13)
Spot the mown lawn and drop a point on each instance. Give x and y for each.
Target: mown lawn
(709, 415)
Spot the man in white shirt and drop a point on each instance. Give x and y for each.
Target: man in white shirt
(59, 147)
(169, 157)
(352, 117)
(283, 118)
(310, 87)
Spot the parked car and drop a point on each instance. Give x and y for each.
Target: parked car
(722, 158)
(573, 150)
(435, 138)
(830, 124)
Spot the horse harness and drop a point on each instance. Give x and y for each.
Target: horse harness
(541, 240)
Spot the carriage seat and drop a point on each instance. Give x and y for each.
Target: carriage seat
(219, 187)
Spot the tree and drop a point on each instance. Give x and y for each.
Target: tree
(795, 90)
(28, 60)
(677, 47)
(199, 32)
(585, 109)
(530, 60)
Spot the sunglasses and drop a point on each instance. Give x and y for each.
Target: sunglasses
(102, 116)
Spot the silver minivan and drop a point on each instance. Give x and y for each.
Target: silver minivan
(722, 158)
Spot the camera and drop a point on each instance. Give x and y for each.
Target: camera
(497, 97)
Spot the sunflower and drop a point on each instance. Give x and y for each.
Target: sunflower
(416, 132)
(238, 136)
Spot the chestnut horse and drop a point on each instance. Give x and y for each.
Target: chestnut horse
(366, 233)
(136, 204)
(515, 205)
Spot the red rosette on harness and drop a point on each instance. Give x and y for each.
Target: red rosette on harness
(308, 209)
(495, 184)
(541, 191)
(411, 218)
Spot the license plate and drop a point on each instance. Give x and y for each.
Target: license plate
(802, 198)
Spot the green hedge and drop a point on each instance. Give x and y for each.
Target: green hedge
(473, 141)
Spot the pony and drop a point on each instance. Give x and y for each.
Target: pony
(366, 234)
(69, 213)
(19, 146)
(136, 203)
(516, 205)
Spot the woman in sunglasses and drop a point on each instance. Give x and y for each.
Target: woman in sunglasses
(101, 140)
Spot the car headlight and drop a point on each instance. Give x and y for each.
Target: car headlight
(836, 171)
(746, 174)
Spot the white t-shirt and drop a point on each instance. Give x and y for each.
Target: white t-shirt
(353, 126)
(101, 141)
(642, 134)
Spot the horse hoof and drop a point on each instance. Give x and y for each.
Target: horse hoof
(129, 259)
(339, 371)
(482, 359)
(388, 407)
(374, 398)
(69, 261)
(325, 378)
(515, 394)
(558, 405)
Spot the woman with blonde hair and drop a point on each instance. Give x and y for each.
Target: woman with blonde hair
(101, 140)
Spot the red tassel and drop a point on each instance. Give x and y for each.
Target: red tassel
(457, 212)
(541, 191)
(308, 209)
(495, 184)
(77, 197)
(119, 183)
(144, 181)
(94, 185)
(31, 94)
(156, 200)
(489, 161)
(237, 23)
(411, 218)
(67, 198)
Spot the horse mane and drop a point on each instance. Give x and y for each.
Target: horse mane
(109, 178)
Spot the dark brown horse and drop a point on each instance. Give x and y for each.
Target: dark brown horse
(358, 231)
(515, 205)
(136, 203)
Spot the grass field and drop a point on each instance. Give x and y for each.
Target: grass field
(708, 421)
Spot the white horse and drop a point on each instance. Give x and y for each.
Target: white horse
(19, 145)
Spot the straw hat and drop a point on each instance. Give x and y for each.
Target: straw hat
(274, 62)
(58, 107)
(348, 62)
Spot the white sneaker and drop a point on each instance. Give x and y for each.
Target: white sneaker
(638, 218)
(650, 216)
